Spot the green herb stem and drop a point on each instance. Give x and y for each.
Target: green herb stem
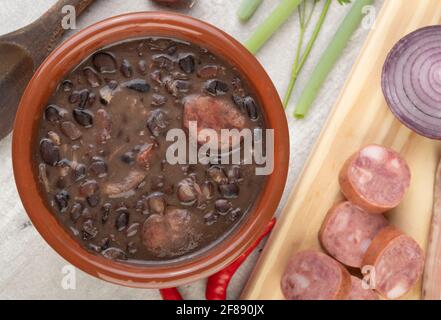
(280, 14)
(330, 57)
(298, 66)
(295, 69)
(247, 9)
(314, 35)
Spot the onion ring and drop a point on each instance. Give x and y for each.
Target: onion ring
(411, 81)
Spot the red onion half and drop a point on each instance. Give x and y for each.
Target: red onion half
(411, 81)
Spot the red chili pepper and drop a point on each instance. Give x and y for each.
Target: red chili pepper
(170, 294)
(217, 284)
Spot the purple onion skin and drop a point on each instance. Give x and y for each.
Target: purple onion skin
(411, 81)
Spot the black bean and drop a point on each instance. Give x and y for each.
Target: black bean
(128, 157)
(89, 188)
(104, 62)
(79, 172)
(157, 122)
(49, 152)
(177, 87)
(126, 68)
(158, 100)
(74, 97)
(105, 243)
(251, 108)
(62, 200)
(54, 113)
(208, 72)
(176, 75)
(235, 213)
(187, 63)
(216, 87)
(92, 77)
(210, 218)
(114, 254)
(217, 174)
(95, 248)
(107, 92)
(239, 101)
(222, 206)
(234, 174)
(89, 230)
(83, 117)
(93, 200)
(122, 220)
(92, 99)
(66, 85)
(186, 192)
(70, 130)
(105, 212)
(162, 61)
(138, 85)
(156, 77)
(84, 98)
(171, 50)
(113, 84)
(229, 190)
(98, 168)
(75, 211)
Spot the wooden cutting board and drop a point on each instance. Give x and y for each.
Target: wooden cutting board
(359, 117)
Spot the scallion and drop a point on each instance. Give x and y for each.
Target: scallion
(330, 57)
(247, 9)
(280, 14)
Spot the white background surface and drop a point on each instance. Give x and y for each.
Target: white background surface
(30, 269)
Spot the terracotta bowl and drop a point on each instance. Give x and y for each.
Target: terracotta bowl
(69, 55)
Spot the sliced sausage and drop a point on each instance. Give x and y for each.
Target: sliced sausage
(312, 275)
(375, 178)
(212, 113)
(358, 292)
(348, 231)
(397, 262)
(165, 235)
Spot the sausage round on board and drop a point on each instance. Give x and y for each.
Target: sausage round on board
(312, 275)
(360, 293)
(375, 178)
(348, 231)
(395, 261)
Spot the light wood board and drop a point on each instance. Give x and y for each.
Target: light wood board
(359, 117)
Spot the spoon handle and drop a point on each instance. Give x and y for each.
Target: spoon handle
(41, 36)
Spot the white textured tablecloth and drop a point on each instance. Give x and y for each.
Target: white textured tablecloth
(30, 269)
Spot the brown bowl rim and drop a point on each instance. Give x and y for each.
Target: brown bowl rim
(71, 53)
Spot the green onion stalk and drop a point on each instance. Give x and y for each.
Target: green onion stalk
(330, 57)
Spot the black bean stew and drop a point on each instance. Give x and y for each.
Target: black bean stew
(100, 153)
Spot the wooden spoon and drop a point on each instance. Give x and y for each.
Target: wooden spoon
(22, 52)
